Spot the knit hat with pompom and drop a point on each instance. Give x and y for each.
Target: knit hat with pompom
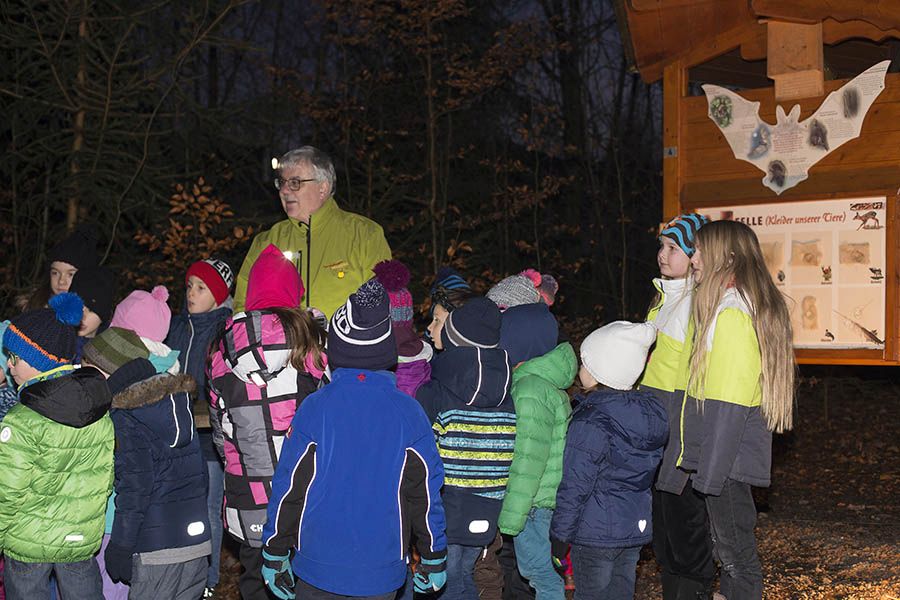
(394, 276)
(145, 313)
(46, 338)
(360, 334)
(517, 290)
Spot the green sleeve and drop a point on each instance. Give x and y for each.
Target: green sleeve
(377, 248)
(534, 432)
(240, 286)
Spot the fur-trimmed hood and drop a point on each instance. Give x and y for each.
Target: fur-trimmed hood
(152, 390)
(161, 403)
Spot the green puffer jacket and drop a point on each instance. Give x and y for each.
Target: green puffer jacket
(56, 452)
(542, 417)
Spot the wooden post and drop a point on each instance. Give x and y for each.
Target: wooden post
(795, 60)
(674, 89)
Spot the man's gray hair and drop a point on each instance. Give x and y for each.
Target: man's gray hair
(318, 161)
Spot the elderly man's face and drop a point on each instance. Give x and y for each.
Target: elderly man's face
(305, 201)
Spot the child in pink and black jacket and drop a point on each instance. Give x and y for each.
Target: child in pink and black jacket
(269, 358)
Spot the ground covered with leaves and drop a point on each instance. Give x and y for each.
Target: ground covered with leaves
(830, 526)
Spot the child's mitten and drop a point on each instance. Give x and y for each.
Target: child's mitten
(277, 574)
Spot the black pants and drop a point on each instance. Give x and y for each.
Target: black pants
(515, 587)
(250, 582)
(682, 544)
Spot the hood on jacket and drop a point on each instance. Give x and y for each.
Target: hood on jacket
(559, 366)
(162, 403)
(636, 416)
(255, 347)
(477, 376)
(76, 400)
(528, 331)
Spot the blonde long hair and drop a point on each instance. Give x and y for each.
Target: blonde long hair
(732, 257)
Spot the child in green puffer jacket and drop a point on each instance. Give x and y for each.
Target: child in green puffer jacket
(57, 446)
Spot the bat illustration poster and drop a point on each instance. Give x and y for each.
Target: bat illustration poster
(787, 149)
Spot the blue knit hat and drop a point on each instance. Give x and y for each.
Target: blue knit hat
(683, 230)
(45, 338)
(474, 324)
(360, 334)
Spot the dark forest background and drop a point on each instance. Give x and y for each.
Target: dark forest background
(493, 136)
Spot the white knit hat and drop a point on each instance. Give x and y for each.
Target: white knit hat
(616, 354)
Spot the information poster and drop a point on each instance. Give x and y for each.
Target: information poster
(828, 258)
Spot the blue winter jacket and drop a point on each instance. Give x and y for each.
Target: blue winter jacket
(614, 444)
(474, 420)
(358, 470)
(161, 477)
(191, 334)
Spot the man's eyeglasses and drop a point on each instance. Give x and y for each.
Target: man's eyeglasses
(13, 358)
(294, 183)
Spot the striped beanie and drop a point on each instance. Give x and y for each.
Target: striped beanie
(45, 338)
(474, 324)
(360, 335)
(113, 348)
(683, 230)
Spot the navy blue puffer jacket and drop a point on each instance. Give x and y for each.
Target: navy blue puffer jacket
(613, 446)
(161, 477)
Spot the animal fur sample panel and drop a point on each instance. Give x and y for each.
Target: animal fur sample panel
(828, 258)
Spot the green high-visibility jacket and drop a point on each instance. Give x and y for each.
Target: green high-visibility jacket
(334, 254)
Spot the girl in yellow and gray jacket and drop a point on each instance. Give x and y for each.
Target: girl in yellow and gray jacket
(740, 383)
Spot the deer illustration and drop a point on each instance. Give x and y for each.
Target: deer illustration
(865, 218)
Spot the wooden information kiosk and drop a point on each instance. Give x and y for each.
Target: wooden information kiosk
(832, 240)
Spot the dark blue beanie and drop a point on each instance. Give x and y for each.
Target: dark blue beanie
(528, 331)
(475, 324)
(360, 334)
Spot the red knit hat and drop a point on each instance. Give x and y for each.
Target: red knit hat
(216, 274)
(273, 282)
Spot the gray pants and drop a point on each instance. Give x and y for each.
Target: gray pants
(179, 581)
(732, 517)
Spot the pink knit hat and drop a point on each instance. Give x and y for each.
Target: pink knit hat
(145, 313)
(394, 276)
(273, 282)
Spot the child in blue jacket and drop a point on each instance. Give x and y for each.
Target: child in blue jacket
(359, 470)
(613, 447)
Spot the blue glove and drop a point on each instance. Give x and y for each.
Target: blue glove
(431, 575)
(278, 575)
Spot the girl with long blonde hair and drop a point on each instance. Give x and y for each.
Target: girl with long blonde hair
(740, 388)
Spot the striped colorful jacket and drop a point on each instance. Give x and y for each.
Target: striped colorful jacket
(474, 420)
(254, 393)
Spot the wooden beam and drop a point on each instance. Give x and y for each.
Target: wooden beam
(795, 60)
(674, 90)
(837, 31)
(883, 14)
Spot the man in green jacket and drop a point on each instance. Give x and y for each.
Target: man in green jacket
(334, 250)
(56, 448)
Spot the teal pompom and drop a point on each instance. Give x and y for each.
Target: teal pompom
(69, 308)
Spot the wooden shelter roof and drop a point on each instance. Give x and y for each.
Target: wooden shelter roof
(657, 33)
